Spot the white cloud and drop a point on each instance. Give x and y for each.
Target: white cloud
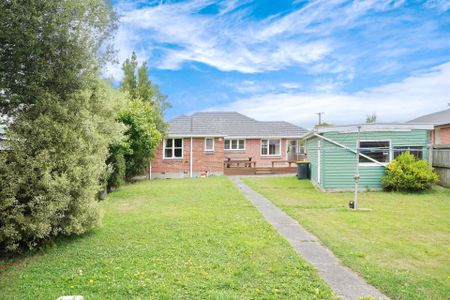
(421, 93)
(291, 85)
(441, 5)
(172, 34)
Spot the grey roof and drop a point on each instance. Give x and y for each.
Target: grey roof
(437, 118)
(231, 124)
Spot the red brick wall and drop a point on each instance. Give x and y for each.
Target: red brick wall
(202, 160)
(445, 135)
(253, 150)
(210, 161)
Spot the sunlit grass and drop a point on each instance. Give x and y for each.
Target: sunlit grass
(169, 239)
(401, 245)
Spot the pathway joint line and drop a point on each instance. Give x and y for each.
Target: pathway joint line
(343, 281)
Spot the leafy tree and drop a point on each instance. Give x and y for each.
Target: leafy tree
(129, 82)
(50, 46)
(142, 134)
(371, 118)
(144, 120)
(62, 119)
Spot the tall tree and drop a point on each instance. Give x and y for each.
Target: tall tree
(144, 120)
(50, 46)
(129, 82)
(62, 118)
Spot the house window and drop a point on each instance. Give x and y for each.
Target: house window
(378, 150)
(417, 151)
(234, 145)
(270, 147)
(173, 148)
(209, 144)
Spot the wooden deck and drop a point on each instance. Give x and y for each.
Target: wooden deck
(260, 170)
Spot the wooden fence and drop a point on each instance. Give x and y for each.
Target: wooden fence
(440, 159)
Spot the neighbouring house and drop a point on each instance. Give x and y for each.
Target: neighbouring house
(440, 135)
(217, 143)
(332, 152)
(440, 138)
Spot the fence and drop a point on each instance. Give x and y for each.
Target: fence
(440, 159)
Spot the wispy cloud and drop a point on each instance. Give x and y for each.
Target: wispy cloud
(177, 33)
(441, 5)
(420, 93)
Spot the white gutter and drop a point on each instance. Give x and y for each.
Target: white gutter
(347, 148)
(193, 135)
(234, 137)
(190, 160)
(263, 137)
(375, 127)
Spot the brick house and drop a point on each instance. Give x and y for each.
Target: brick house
(217, 143)
(440, 135)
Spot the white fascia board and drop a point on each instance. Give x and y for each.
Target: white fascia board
(184, 135)
(172, 135)
(308, 135)
(375, 127)
(262, 137)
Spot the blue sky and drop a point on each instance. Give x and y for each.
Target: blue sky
(287, 60)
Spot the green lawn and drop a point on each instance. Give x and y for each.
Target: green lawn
(169, 239)
(401, 245)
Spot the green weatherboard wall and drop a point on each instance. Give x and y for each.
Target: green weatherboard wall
(338, 166)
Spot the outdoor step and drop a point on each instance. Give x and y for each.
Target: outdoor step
(260, 171)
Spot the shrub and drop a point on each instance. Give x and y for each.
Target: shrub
(142, 135)
(406, 173)
(51, 174)
(116, 161)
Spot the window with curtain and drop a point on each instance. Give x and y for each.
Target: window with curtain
(270, 147)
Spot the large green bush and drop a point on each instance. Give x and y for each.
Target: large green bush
(61, 118)
(406, 173)
(50, 175)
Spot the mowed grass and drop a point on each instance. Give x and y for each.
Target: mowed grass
(170, 239)
(401, 245)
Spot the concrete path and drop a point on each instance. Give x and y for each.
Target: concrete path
(343, 281)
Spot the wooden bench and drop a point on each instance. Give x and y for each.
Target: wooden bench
(290, 162)
(239, 163)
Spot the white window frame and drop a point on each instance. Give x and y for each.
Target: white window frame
(230, 149)
(373, 164)
(421, 150)
(268, 142)
(212, 149)
(173, 148)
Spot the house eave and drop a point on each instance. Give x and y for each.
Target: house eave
(184, 135)
(375, 127)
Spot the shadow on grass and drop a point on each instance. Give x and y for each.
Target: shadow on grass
(19, 260)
